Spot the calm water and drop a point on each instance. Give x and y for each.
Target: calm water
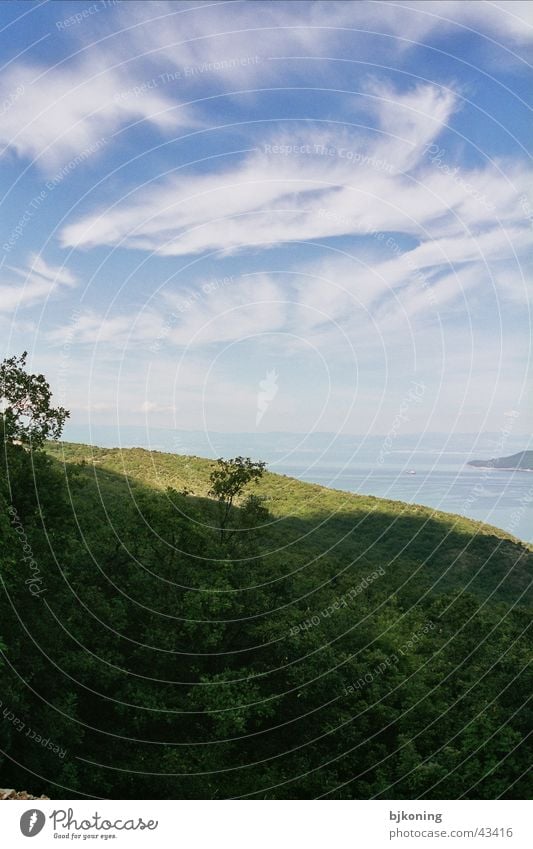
(504, 499)
(442, 481)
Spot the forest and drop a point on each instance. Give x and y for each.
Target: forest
(176, 627)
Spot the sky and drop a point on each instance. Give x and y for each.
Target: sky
(270, 216)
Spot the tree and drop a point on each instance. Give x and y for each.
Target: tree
(228, 480)
(26, 414)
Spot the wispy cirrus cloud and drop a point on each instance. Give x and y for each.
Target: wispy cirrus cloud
(318, 184)
(408, 216)
(208, 32)
(126, 329)
(31, 284)
(276, 193)
(63, 110)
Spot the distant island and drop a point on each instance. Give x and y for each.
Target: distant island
(523, 461)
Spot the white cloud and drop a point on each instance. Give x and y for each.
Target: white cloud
(208, 32)
(39, 281)
(409, 121)
(290, 189)
(120, 331)
(509, 24)
(67, 110)
(503, 21)
(247, 307)
(494, 244)
(55, 113)
(271, 196)
(456, 220)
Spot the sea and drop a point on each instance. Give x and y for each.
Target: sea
(430, 469)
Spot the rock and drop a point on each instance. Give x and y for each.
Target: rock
(12, 794)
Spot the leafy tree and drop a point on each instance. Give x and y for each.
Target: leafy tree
(26, 414)
(228, 481)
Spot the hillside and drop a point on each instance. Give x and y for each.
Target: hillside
(326, 644)
(432, 548)
(523, 460)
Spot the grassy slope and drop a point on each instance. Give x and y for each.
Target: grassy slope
(336, 530)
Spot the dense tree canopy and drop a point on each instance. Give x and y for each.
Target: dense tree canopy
(26, 414)
(320, 650)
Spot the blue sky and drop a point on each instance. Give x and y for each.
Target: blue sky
(270, 216)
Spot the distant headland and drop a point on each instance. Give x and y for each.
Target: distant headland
(522, 461)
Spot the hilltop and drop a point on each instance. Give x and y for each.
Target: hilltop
(523, 460)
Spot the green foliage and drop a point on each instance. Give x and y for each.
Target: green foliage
(27, 416)
(330, 644)
(228, 481)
